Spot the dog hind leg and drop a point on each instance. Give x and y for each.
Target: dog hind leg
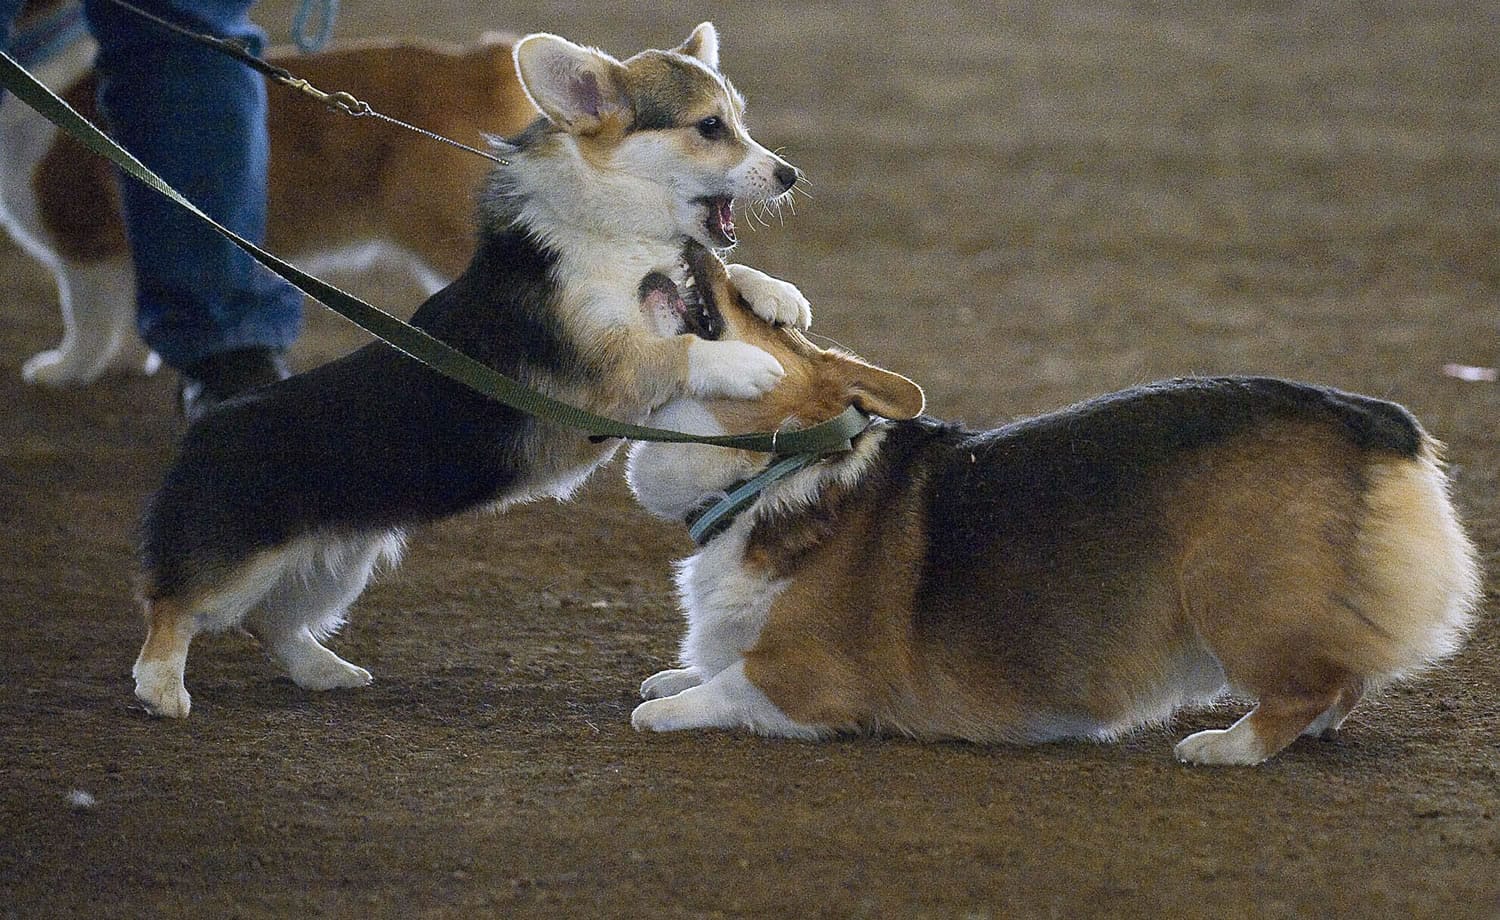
(1274, 723)
(159, 668)
(307, 605)
(98, 337)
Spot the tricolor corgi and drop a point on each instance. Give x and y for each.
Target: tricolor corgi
(343, 193)
(1074, 575)
(281, 503)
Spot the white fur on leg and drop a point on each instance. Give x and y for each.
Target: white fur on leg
(670, 682)
(159, 685)
(312, 666)
(1235, 746)
(729, 700)
(321, 578)
(772, 299)
(98, 338)
(737, 370)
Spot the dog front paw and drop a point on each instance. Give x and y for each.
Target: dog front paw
(738, 370)
(670, 682)
(772, 299)
(665, 715)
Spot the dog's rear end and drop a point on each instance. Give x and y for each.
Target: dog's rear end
(1074, 575)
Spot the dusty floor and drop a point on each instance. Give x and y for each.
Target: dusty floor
(1016, 208)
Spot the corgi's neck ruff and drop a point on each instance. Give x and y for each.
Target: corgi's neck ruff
(715, 515)
(718, 512)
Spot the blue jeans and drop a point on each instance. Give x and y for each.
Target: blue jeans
(198, 119)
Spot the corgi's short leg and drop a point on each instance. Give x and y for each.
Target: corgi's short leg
(1272, 725)
(309, 663)
(1326, 726)
(308, 604)
(159, 668)
(98, 317)
(772, 299)
(670, 682)
(728, 700)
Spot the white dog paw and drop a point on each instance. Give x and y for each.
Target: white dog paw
(664, 715)
(738, 370)
(335, 674)
(1221, 748)
(54, 368)
(772, 299)
(164, 696)
(670, 682)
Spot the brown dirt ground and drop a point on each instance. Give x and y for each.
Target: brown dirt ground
(1018, 209)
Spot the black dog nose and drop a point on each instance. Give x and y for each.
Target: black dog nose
(786, 175)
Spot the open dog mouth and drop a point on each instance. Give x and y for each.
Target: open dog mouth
(719, 221)
(689, 306)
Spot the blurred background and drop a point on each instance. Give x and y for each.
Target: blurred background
(1018, 206)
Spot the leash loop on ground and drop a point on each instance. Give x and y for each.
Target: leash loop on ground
(831, 436)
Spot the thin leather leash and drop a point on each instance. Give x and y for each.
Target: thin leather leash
(828, 437)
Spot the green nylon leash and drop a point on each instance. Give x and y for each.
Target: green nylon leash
(828, 437)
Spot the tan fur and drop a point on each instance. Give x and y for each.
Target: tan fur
(1301, 575)
(334, 178)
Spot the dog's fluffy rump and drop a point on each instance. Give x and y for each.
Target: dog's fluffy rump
(1073, 575)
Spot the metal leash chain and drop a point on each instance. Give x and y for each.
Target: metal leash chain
(338, 101)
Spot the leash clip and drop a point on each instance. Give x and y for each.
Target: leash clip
(347, 104)
(339, 101)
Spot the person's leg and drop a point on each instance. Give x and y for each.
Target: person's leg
(198, 118)
(9, 10)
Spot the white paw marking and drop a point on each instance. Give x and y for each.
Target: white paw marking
(163, 693)
(670, 682)
(666, 715)
(737, 370)
(54, 368)
(772, 299)
(334, 674)
(1221, 747)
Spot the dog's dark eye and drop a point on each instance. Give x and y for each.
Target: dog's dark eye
(711, 127)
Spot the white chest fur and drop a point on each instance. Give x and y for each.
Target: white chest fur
(726, 604)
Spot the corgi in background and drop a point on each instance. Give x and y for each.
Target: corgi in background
(1074, 575)
(281, 503)
(344, 193)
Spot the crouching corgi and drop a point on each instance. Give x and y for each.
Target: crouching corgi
(280, 504)
(342, 193)
(1073, 575)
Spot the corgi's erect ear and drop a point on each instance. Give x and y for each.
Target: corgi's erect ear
(578, 88)
(703, 44)
(880, 392)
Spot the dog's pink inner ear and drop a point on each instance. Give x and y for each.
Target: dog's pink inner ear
(583, 89)
(572, 85)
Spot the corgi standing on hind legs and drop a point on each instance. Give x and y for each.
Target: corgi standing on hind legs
(281, 503)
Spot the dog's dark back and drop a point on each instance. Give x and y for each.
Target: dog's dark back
(1032, 493)
(370, 442)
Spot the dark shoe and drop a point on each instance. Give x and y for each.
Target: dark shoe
(226, 375)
